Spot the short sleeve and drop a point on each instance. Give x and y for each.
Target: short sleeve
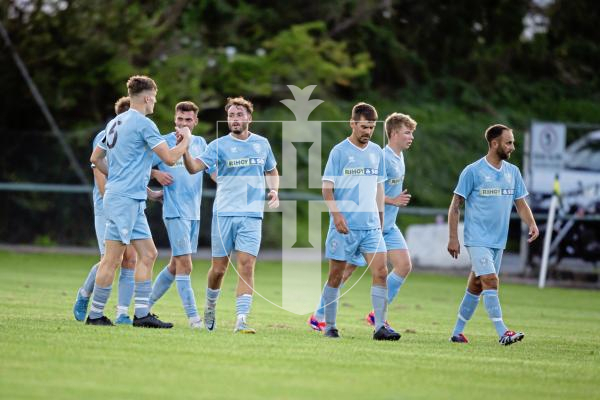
(465, 183)
(270, 162)
(197, 147)
(520, 190)
(102, 142)
(332, 167)
(151, 134)
(382, 173)
(209, 157)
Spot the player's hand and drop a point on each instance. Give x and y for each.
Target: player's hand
(274, 199)
(533, 233)
(340, 223)
(184, 132)
(454, 248)
(163, 178)
(402, 199)
(155, 195)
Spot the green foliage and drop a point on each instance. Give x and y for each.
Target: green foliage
(455, 65)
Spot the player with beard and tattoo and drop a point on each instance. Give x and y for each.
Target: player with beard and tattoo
(489, 187)
(241, 160)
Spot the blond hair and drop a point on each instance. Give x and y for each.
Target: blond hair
(396, 121)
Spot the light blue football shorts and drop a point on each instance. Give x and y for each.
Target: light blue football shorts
(349, 247)
(394, 240)
(183, 235)
(485, 260)
(100, 226)
(125, 219)
(239, 233)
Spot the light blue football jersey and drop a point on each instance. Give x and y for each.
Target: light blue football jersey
(489, 195)
(182, 197)
(98, 204)
(394, 170)
(128, 141)
(355, 173)
(240, 166)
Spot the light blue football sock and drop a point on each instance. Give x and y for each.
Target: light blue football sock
(465, 312)
(492, 306)
(379, 299)
(162, 283)
(330, 296)
(126, 285)
(184, 287)
(88, 286)
(99, 299)
(320, 311)
(243, 304)
(394, 283)
(142, 298)
(211, 297)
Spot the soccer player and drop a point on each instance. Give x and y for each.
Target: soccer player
(399, 129)
(354, 193)
(126, 281)
(489, 187)
(242, 160)
(128, 144)
(181, 215)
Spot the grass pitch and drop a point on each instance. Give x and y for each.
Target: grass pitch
(45, 353)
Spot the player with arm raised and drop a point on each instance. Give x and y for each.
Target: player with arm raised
(127, 145)
(181, 215)
(242, 161)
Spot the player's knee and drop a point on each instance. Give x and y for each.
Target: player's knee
(129, 261)
(380, 277)
(347, 275)
(407, 269)
(334, 281)
(246, 270)
(475, 289)
(489, 281)
(129, 258)
(110, 264)
(184, 267)
(149, 256)
(218, 270)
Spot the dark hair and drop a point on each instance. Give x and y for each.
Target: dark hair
(140, 83)
(239, 101)
(364, 110)
(185, 106)
(122, 105)
(495, 131)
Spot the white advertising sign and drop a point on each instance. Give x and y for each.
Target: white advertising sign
(547, 148)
